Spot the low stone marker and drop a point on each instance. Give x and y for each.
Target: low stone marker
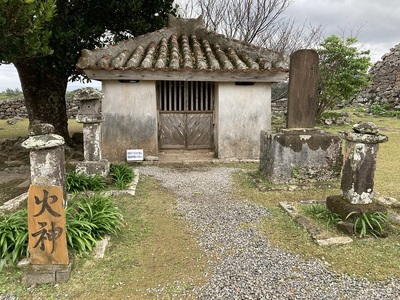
(357, 183)
(361, 149)
(49, 261)
(91, 117)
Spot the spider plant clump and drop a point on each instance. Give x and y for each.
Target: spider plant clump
(121, 175)
(368, 223)
(78, 182)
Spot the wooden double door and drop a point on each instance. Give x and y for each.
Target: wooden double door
(185, 115)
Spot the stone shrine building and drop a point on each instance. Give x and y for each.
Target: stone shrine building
(184, 87)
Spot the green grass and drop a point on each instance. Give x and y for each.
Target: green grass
(20, 129)
(153, 249)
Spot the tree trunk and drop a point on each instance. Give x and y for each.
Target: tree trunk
(44, 91)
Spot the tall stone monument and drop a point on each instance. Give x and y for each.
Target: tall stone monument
(301, 153)
(302, 94)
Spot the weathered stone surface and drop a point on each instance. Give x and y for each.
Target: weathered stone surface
(363, 137)
(338, 240)
(346, 227)
(337, 204)
(359, 165)
(90, 116)
(89, 119)
(87, 94)
(16, 109)
(298, 156)
(302, 95)
(289, 208)
(385, 87)
(38, 128)
(89, 168)
(366, 127)
(41, 274)
(14, 204)
(47, 160)
(389, 201)
(43, 142)
(357, 183)
(91, 141)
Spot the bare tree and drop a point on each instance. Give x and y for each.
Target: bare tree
(258, 22)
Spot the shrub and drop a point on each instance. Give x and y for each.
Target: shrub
(79, 182)
(121, 175)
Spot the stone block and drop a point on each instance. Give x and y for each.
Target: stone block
(41, 274)
(300, 155)
(89, 168)
(339, 205)
(339, 240)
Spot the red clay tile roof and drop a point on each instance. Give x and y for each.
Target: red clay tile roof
(179, 52)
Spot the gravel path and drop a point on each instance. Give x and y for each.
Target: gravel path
(248, 266)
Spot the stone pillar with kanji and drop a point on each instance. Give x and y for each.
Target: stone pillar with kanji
(91, 117)
(49, 260)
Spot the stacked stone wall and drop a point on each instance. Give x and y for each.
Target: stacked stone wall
(385, 88)
(16, 108)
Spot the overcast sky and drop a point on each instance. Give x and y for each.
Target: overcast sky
(378, 21)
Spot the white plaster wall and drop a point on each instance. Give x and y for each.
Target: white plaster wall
(241, 112)
(130, 119)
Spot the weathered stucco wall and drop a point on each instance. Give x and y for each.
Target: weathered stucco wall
(130, 119)
(241, 112)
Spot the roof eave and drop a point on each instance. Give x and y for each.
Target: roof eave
(189, 75)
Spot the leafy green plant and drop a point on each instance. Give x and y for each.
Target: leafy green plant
(322, 213)
(79, 182)
(121, 175)
(372, 223)
(13, 237)
(89, 218)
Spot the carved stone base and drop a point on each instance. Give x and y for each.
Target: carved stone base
(90, 168)
(337, 204)
(40, 274)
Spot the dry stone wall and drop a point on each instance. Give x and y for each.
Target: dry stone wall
(16, 108)
(385, 88)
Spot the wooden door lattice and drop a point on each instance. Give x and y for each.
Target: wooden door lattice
(185, 114)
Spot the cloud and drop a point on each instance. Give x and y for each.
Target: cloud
(376, 21)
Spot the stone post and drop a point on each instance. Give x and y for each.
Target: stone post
(91, 117)
(49, 261)
(302, 94)
(46, 156)
(361, 148)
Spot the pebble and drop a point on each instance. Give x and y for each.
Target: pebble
(245, 265)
